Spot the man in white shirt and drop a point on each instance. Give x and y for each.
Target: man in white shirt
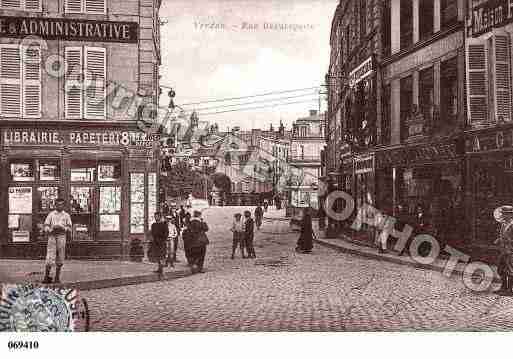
(57, 224)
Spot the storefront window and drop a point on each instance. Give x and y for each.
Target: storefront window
(136, 202)
(22, 171)
(426, 94)
(82, 171)
(448, 13)
(81, 213)
(426, 15)
(386, 128)
(46, 197)
(406, 101)
(110, 207)
(449, 91)
(49, 170)
(20, 213)
(109, 171)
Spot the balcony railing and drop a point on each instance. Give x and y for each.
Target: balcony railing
(305, 158)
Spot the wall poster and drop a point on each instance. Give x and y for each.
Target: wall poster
(152, 197)
(137, 203)
(20, 200)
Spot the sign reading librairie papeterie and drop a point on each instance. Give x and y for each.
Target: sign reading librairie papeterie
(69, 29)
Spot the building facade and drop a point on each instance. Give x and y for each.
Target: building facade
(61, 136)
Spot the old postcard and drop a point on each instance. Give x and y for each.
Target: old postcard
(255, 166)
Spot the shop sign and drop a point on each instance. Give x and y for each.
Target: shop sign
(69, 29)
(411, 156)
(102, 138)
(364, 165)
(491, 141)
(363, 70)
(486, 15)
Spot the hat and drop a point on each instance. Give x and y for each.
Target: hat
(500, 213)
(196, 213)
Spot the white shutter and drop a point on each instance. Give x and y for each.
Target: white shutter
(33, 5)
(73, 86)
(10, 80)
(73, 6)
(95, 68)
(477, 80)
(10, 4)
(32, 81)
(499, 52)
(95, 6)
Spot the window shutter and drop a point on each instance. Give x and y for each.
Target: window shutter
(10, 80)
(10, 4)
(95, 67)
(477, 80)
(501, 75)
(33, 5)
(73, 6)
(73, 89)
(95, 6)
(32, 82)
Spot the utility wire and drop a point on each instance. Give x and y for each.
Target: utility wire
(258, 107)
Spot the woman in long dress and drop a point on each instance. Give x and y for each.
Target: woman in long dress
(504, 215)
(305, 241)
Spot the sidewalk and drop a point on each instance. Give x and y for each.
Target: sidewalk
(363, 249)
(88, 275)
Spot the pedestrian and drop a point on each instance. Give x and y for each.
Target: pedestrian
(259, 214)
(504, 215)
(199, 229)
(159, 234)
(165, 208)
(249, 232)
(305, 241)
(238, 235)
(181, 215)
(187, 243)
(172, 241)
(266, 205)
(57, 224)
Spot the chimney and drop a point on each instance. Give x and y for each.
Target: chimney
(313, 112)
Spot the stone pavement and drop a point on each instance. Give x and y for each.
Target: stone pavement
(86, 275)
(285, 291)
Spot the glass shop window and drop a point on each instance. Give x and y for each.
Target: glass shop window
(406, 23)
(82, 171)
(426, 93)
(406, 101)
(22, 170)
(110, 208)
(46, 197)
(109, 171)
(448, 13)
(49, 170)
(81, 213)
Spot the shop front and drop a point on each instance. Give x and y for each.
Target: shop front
(490, 165)
(107, 176)
(423, 185)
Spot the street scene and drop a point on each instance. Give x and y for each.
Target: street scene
(254, 166)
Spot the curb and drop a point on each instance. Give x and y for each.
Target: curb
(396, 260)
(123, 281)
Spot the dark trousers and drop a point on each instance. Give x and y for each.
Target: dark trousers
(198, 256)
(249, 247)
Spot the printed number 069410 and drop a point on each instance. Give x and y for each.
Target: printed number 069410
(22, 345)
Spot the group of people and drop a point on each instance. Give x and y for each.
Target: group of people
(166, 232)
(244, 233)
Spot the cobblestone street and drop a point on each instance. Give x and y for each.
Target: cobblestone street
(285, 291)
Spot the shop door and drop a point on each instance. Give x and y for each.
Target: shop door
(83, 209)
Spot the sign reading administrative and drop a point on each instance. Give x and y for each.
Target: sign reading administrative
(69, 29)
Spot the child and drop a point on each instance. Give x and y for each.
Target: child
(238, 234)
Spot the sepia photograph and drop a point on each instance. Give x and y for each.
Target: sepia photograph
(255, 166)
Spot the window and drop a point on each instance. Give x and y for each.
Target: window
(387, 28)
(108, 171)
(22, 170)
(406, 23)
(85, 82)
(110, 208)
(386, 128)
(426, 17)
(46, 197)
(49, 170)
(85, 6)
(347, 40)
(448, 13)
(426, 93)
(406, 101)
(82, 213)
(20, 213)
(28, 5)
(136, 202)
(449, 91)
(363, 19)
(20, 81)
(82, 171)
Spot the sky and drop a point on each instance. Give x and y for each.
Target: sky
(218, 49)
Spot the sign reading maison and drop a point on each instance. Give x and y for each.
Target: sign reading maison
(69, 29)
(489, 14)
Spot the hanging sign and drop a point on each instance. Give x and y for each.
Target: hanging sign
(362, 71)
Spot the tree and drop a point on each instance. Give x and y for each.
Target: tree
(222, 181)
